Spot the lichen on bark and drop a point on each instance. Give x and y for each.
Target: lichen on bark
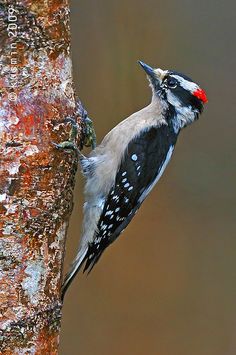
(36, 179)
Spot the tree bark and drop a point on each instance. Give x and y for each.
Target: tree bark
(36, 179)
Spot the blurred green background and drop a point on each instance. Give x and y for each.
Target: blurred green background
(168, 285)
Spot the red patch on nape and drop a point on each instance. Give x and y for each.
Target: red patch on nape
(201, 95)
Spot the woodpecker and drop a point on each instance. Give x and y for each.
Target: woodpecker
(123, 169)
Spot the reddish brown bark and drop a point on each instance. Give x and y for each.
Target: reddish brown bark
(36, 180)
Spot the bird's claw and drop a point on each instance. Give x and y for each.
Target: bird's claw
(66, 145)
(88, 132)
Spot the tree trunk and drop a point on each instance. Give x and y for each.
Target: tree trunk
(36, 179)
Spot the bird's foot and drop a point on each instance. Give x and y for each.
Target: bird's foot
(70, 146)
(88, 133)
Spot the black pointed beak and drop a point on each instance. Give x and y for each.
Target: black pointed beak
(149, 70)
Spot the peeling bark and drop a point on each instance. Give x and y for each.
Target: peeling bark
(36, 179)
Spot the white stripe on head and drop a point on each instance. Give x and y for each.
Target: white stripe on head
(187, 85)
(173, 99)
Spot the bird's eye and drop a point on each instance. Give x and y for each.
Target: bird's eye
(171, 82)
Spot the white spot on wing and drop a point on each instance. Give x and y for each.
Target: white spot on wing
(115, 198)
(108, 213)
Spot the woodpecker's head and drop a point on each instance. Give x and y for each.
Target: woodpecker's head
(181, 98)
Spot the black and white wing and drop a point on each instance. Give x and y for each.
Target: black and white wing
(143, 164)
